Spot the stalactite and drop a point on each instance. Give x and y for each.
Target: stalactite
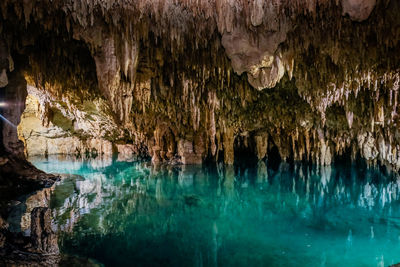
(209, 71)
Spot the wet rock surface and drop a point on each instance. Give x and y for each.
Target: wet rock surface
(40, 249)
(44, 240)
(18, 177)
(27, 233)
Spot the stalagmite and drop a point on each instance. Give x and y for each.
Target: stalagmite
(261, 146)
(228, 139)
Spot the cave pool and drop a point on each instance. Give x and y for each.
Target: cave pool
(136, 214)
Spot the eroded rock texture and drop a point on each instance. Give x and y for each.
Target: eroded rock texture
(38, 249)
(187, 81)
(17, 176)
(52, 126)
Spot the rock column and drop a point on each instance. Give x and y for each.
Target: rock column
(44, 240)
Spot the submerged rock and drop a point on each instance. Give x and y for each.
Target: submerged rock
(192, 200)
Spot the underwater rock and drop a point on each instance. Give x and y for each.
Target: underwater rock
(192, 200)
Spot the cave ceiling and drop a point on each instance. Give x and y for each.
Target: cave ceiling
(314, 78)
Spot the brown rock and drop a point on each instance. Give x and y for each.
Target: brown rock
(44, 240)
(358, 10)
(261, 146)
(187, 153)
(228, 140)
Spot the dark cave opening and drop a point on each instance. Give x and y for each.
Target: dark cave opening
(244, 153)
(273, 156)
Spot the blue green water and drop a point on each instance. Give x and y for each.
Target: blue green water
(134, 214)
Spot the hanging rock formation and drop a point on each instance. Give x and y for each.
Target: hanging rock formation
(188, 81)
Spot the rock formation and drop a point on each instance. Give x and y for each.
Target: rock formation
(188, 81)
(39, 249)
(17, 176)
(44, 240)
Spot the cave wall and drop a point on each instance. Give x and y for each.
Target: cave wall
(50, 126)
(17, 175)
(13, 95)
(181, 81)
(47, 127)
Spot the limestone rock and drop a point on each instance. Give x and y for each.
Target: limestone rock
(183, 80)
(67, 130)
(187, 153)
(261, 146)
(126, 152)
(258, 57)
(4, 66)
(358, 10)
(109, 70)
(43, 238)
(3, 78)
(228, 140)
(15, 94)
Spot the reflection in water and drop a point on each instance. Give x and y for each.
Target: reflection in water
(123, 213)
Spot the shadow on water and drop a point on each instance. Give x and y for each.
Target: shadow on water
(122, 213)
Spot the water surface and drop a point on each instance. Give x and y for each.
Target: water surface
(134, 214)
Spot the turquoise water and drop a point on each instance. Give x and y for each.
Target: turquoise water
(134, 214)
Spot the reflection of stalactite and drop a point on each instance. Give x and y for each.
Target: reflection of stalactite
(229, 184)
(125, 195)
